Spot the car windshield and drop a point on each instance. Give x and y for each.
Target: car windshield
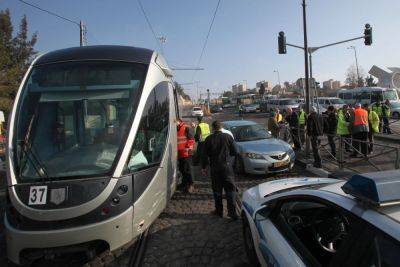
(73, 118)
(336, 101)
(288, 102)
(196, 109)
(250, 133)
(390, 94)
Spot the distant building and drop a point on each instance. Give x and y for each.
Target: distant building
(300, 83)
(267, 85)
(336, 85)
(331, 85)
(239, 88)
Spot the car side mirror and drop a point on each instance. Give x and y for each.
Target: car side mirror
(263, 212)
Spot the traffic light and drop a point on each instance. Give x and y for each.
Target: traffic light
(282, 43)
(368, 34)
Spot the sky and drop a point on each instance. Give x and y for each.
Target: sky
(243, 41)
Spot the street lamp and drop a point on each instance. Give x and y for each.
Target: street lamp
(355, 55)
(279, 79)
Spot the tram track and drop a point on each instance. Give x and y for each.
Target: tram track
(136, 258)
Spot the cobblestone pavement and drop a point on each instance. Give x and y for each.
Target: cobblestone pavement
(187, 235)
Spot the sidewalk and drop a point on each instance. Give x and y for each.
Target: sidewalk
(328, 169)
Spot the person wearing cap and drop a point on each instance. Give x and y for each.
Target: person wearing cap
(293, 121)
(330, 128)
(314, 131)
(218, 149)
(360, 130)
(273, 125)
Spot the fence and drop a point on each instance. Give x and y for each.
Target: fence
(384, 157)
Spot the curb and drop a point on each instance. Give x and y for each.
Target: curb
(310, 168)
(317, 171)
(387, 137)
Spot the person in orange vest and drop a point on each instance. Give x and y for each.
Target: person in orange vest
(185, 151)
(360, 130)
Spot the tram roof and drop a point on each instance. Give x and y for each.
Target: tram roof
(97, 52)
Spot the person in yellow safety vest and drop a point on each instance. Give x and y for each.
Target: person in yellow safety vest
(278, 116)
(373, 121)
(377, 108)
(302, 125)
(385, 117)
(202, 132)
(342, 128)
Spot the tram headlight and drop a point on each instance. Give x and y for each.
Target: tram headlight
(115, 200)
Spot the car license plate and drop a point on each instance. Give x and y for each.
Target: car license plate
(280, 164)
(37, 195)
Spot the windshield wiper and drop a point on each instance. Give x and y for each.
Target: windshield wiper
(26, 149)
(35, 161)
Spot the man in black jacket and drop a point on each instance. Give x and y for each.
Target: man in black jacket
(314, 130)
(293, 121)
(330, 124)
(218, 150)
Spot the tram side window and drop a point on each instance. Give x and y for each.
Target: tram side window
(152, 134)
(375, 96)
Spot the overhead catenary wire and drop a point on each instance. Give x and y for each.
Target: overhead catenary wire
(206, 40)
(151, 27)
(82, 28)
(49, 12)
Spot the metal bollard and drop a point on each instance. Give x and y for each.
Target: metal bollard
(340, 152)
(397, 163)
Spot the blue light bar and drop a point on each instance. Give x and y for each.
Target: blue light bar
(376, 188)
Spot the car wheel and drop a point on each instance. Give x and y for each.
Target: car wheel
(239, 165)
(249, 244)
(396, 115)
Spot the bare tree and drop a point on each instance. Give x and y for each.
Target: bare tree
(352, 79)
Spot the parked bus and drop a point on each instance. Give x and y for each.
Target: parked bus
(367, 95)
(92, 148)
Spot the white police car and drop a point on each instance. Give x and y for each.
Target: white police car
(324, 222)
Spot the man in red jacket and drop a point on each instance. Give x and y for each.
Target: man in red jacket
(185, 152)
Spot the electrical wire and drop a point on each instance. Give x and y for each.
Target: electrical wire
(207, 37)
(49, 12)
(151, 27)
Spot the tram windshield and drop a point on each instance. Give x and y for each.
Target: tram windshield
(73, 118)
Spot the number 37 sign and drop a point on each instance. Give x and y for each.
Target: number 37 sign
(37, 195)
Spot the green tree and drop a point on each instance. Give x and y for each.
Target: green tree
(16, 53)
(227, 94)
(180, 91)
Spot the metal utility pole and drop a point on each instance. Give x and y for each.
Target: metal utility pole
(355, 55)
(208, 99)
(307, 85)
(82, 33)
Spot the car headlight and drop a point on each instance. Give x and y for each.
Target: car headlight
(254, 156)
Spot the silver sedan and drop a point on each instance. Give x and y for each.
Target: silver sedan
(258, 152)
